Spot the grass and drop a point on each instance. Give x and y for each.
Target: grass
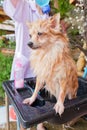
(5, 70)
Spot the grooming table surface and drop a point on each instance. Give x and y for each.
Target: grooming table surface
(42, 109)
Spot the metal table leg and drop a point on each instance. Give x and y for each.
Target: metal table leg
(7, 112)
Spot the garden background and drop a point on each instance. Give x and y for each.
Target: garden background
(73, 23)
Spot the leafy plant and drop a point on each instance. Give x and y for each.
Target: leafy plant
(11, 44)
(64, 7)
(1, 43)
(5, 69)
(2, 32)
(6, 43)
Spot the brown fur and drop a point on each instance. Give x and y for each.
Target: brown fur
(51, 62)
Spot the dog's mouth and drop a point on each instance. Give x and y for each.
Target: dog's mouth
(31, 45)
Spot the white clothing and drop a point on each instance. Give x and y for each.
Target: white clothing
(25, 11)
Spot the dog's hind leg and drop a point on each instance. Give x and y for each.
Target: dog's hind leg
(70, 124)
(59, 106)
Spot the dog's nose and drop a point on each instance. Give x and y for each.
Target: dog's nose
(30, 44)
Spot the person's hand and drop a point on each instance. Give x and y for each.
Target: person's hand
(39, 9)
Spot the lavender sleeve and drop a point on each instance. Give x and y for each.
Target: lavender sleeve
(12, 12)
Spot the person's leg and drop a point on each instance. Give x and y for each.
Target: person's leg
(21, 128)
(41, 127)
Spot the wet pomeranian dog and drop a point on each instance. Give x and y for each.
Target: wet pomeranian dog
(51, 62)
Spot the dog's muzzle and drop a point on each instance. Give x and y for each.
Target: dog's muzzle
(30, 44)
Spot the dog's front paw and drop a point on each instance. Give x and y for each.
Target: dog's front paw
(29, 100)
(59, 108)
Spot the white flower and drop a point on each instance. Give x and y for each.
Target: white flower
(79, 27)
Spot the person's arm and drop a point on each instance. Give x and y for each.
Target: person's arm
(14, 9)
(39, 9)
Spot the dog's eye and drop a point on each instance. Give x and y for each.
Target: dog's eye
(39, 33)
(30, 35)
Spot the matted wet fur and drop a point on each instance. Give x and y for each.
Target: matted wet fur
(51, 61)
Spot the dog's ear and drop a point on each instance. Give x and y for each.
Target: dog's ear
(55, 21)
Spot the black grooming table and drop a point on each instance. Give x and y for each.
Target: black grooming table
(42, 109)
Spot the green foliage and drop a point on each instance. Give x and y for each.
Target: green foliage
(5, 43)
(64, 7)
(2, 32)
(1, 43)
(11, 44)
(73, 32)
(5, 69)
